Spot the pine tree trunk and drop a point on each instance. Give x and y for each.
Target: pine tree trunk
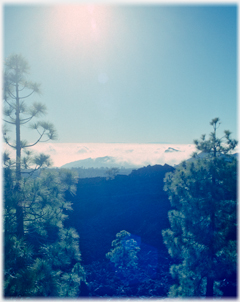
(19, 214)
(210, 281)
(210, 284)
(19, 209)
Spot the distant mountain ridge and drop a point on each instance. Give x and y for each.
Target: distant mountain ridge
(114, 162)
(107, 162)
(100, 162)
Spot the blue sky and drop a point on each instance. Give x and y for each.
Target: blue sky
(129, 73)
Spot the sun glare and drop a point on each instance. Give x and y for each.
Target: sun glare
(79, 24)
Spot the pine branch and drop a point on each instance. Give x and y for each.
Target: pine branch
(9, 121)
(21, 89)
(12, 96)
(31, 172)
(35, 215)
(26, 120)
(5, 99)
(24, 97)
(6, 141)
(45, 140)
(27, 146)
(8, 114)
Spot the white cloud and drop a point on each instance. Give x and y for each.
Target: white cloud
(137, 154)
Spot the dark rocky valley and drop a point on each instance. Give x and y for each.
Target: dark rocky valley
(135, 203)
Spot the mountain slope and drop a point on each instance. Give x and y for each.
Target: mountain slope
(99, 162)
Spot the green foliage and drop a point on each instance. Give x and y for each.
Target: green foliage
(124, 251)
(46, 261)
(203, 221)
(215, 146)
(124, 256)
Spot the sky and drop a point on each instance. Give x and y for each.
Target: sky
(133, 73)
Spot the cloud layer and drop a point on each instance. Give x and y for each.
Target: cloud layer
(135, 154)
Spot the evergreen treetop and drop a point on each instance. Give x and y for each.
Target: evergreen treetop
(202, 236)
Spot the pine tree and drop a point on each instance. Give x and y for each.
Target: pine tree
(124, 251)
(124, 255)
(46, 262)
(202, 237)
(41, 257)
(17, 90)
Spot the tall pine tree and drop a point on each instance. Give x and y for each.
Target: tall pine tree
(202, 237)
(41, 256)
(17, 91)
